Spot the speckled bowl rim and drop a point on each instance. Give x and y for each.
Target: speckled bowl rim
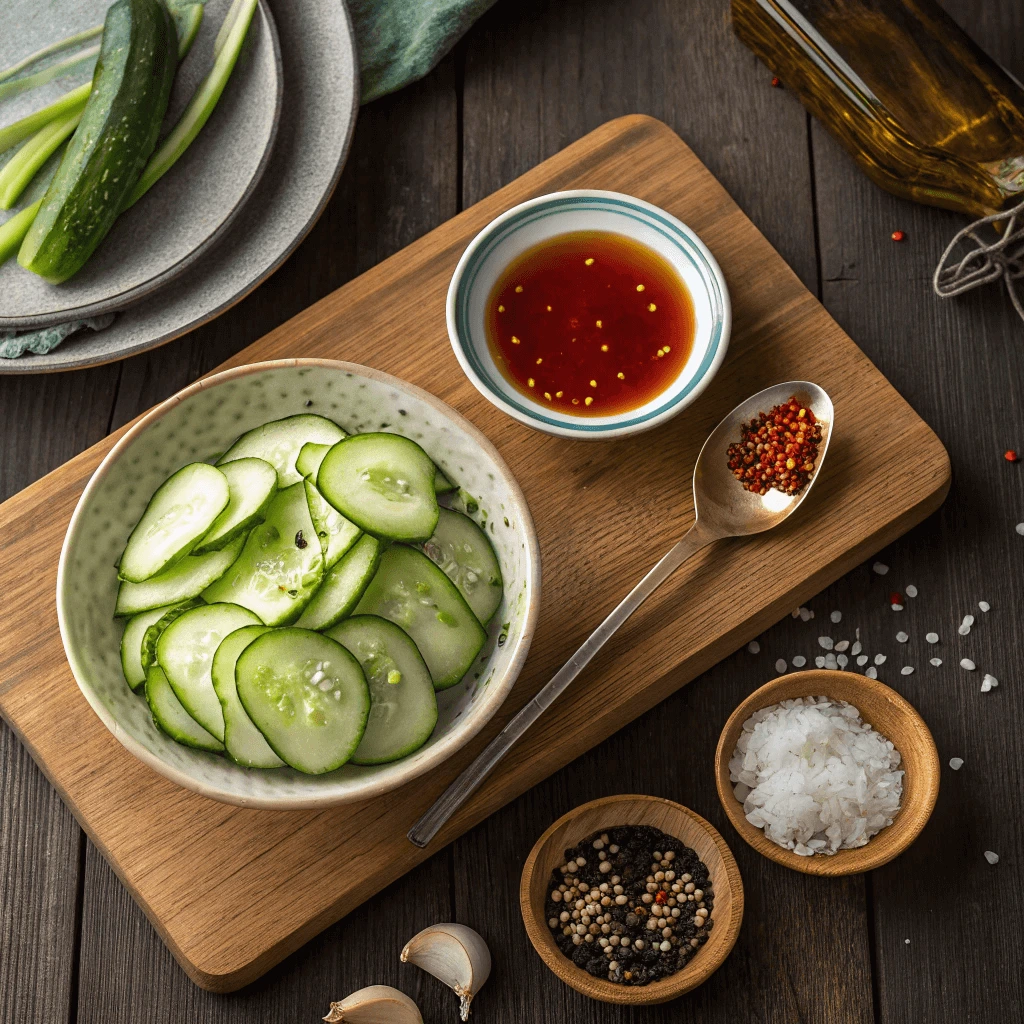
(627, 423)
(445, 747)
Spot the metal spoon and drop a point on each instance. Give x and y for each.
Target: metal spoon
(723, 509)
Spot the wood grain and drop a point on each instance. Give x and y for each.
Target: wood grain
(673, 819)
(196, 865)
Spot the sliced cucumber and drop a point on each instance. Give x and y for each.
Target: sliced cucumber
(464, 554)
(310, 457)
(384, 483)
(155, 631)
(442, 485)
(415, 594)
(343, 585)
(131, 646)
(244, 742)
(188, 579)
(280, 442)
(172, 718)
(182, 510)
(185, 652)
(252, 484)
(335, 533)
(307, 695)
(281, 566)
(403, 708)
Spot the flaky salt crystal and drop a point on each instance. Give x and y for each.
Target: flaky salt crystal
(799, 661)
(992, 858)
(862, 660)
(825, 642)
(754, 647)
(907, 670)
(805, 615)
(879, 659)
(842, 646)
(956, 763)
(984, 606)
(967, 664)
(936, 662)
(820, 661)
(932, 638)
(871, 672)
(836, 616)
(902, 637)
(780, 666)
(1020, 528)
(991, 679)
(986, 685)
(883, 569)
(911, 590)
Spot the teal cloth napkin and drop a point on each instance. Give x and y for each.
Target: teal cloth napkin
(399, 41)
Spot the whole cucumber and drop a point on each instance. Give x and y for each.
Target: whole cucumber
(131, 87)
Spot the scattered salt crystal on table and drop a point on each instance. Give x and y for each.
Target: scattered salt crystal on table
(984, 606)
(936, 662)
(932, 638)
(836, 616)
(842, 660)
(754, 647)
(799, 661)
(911, 590)
(826, 642)
(842, 645)
(992, 858)
(907, 670)
(871, 672)
(883, 569)
(967, 664)
(862, 660)
(795, 613)
(815, 776)
(965, 626)
(991, 679)
(819, 661)
(986, 685)
(830, 661)
(780, 666)
(902, 637)
(856, 649)
(1020, 528)
(897, 607)
(907, 941)
(879, 659)
(805, 615)
(956, 763)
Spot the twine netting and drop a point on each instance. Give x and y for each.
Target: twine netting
(987, 261)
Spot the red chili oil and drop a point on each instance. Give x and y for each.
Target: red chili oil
(591, 323)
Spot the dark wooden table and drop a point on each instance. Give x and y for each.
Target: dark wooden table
(938, 935)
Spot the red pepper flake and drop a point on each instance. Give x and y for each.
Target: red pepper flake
(895, 598)
(898, 236)
(1011, 456)
(777, 449)
(776, 82)
(661, 897)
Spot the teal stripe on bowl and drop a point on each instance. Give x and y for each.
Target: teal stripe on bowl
(659, 223)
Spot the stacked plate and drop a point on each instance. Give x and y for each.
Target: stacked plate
(229, 212)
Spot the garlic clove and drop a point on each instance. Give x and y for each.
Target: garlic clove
(376, 1004)
(454, 954)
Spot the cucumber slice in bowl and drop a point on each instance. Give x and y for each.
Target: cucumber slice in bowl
(188, 579)
(384, 483)
(281, 565)
(182, 510)
(132, 644)
(156, 630)
(461, 550)
(280, 441)
(307, 695)
(403, 708)
(172, 718)
(252, 484)
(335, 533)
(343, 585)
(442, 485)
(413, 593)
(244, 742)
(185, 652)
(310, 457)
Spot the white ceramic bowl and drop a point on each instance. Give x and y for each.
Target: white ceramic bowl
(200, 422)
(524, 226)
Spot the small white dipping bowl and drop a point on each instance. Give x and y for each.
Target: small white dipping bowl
(196, 425)
(526, 225)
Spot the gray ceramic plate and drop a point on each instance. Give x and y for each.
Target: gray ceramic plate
(190, 208)
(321, 88)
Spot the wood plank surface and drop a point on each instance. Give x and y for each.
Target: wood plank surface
(208, 875)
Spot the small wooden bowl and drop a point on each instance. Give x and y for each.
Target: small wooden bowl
(886, 711)
(674, 820)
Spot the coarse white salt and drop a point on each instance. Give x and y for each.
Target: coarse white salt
(963, 629)
(984, 606)
(936, 662)
(780, 666)
(815, 776)
(754, 647)
(956, 763)
(799, 661)
(842, 645)
(805, 615)
(986, 685)
(795, 613)
(871, 672)
(902, 637)
(836, 616)
(897, 607)
(991, 679)
(879, 659)
(842, 660)
(1020, 528)
(968, 620)
(911, 590)
(967, 664)
(856, 649)
(883, 569)
(932, 638)
(907, 670)
(830, 661)
(992, 858)
(825, 642)
(820, 661)
(862, 660)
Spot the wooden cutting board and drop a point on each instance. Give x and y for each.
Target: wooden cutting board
(232, 891)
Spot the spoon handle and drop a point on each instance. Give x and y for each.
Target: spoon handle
(461, 789)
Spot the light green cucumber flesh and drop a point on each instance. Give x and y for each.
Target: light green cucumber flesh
(442, 485)
(13, 230)
(343, 585)
(131, 645)
(384, 483)
(280, 441)
(185, 580)
(309, 459)
(460, 548)
(281, 565)
(334, 532)
(70, 103)
(307, 695)
(49, 50)
(244, 743)
(181, 511)
(19, 171)
(412, 592)
(403, 708)
(187, 19)
(252, 484)
(172, 718)
(185, 652)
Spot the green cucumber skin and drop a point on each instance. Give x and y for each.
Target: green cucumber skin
(117, 135)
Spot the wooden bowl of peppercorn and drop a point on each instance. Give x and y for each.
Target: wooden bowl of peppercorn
(618, 830)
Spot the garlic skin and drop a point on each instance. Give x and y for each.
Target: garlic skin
(376, 1004)
(454, 954)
